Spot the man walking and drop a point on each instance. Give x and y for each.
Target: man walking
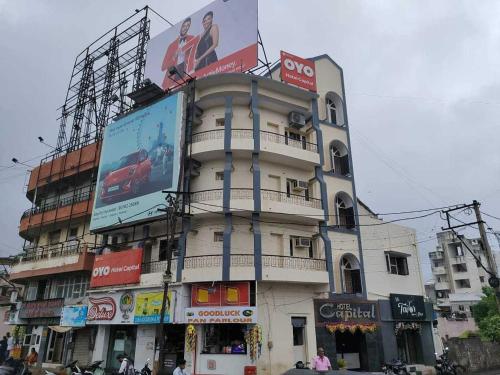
(321, 363)
(10, 345)
(180, 369)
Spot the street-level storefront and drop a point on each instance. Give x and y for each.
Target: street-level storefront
(348, 330)
(222, 333)
(80, 337)
(406, 322)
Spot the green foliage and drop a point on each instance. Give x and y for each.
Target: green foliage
(487, 316)
(341, 363)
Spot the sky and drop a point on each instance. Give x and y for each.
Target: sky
(421, 77)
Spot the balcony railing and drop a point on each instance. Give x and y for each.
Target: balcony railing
(266, 194)
(68, 248)
(214, 134)
(286, 140)
(66, 201)
(157, 266)
(436, 255)
(247, 260)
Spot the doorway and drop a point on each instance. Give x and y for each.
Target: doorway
(121, 340)
(410, 346)
(55, 347)
(299, 339)
(351, 347)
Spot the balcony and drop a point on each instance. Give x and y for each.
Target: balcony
(274, 268)
(458, 260)
(442, 285)
(272, 201)
(77, 205)
(71, 256)
(78, 161)
(439, 270)
(436, 255)
(152, 272)
(210, 144)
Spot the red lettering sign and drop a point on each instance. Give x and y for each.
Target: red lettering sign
(103, 308)
(123, 267)
(298, 71)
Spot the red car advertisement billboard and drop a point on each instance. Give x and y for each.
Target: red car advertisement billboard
(298, 71)
(219, 38)
(122, 267)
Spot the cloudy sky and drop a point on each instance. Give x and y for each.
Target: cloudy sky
(422, 85)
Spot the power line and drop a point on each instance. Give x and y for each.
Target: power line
(489, 215)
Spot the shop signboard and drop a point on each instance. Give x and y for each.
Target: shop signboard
(140, 157)
(41, 309)
(407, 307)
(118, 268)
(148, 307)
(220, 315)
(329, 311)
(298, 71)
(219, 38)
(74, 316)
(115, 308)
(220, 294)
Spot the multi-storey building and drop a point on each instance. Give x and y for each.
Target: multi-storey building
(458, 275)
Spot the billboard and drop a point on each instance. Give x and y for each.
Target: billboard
(122, 267)
(74, 316)
(115, 308)
(221, 315)
(148, 307)
(220, 294)
(219, 38)
(298, 71)
(140, 157)
(407, 307)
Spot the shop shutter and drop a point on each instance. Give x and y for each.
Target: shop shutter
(81, 349)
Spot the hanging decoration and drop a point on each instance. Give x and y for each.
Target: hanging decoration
(190, 338)
(399, 327)
(346, 327)
(253, 338)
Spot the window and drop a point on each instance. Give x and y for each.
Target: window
(351, 275)
(298, 327)
(31, 291)
(331, 111)
(397, 265)
(436, 264)
(461, 307)
(460, 267)
(295, 139)
(54, 237)
(73, 233)
(219, 176)
(218, 236)
(339, 158)
(72, 287)
(224, 339)
(462, 283)
(163, 249)
(220, 122)
(481, 278)
(345, 211)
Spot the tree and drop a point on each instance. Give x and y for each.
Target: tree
(487, 316)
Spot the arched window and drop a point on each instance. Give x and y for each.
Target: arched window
(339, 158)
(334, 109)
(351, 274)
(345, 211)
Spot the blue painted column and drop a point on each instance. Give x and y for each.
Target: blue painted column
(226, 196)
(257, 235)
(318, 171)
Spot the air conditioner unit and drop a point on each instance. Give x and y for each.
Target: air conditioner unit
(299, 185)
(296, 120)
(302, 242)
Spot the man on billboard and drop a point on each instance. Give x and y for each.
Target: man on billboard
(177, 52)
(209, 40)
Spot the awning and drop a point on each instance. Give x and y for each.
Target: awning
(60, 329)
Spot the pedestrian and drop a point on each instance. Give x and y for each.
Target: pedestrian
(126, 365)
(180, 369)
(321, 363)
(10, 345)
(3, 349)
(32, 357)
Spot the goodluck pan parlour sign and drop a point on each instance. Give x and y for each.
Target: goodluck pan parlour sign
(220, 315)
(328, 311)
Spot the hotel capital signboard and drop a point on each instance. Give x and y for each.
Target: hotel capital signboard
(407, 307)
(329, 311)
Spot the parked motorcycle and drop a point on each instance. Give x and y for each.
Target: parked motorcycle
(446, 367)
(145, 370)
(92, 369)
(13, 366)
(396, 367)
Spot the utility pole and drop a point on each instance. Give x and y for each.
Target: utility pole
(493, 281)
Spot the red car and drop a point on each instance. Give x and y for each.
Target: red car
(132, 174)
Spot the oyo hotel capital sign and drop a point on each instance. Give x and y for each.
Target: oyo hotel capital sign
(119, 268)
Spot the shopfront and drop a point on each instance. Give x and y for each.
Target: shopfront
(348, 331)
(222, 332)
(406, 322)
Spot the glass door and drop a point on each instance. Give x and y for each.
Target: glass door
(121, 340)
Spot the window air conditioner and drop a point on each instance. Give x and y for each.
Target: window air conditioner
(296, 120)
(300, 185)
(302, 242)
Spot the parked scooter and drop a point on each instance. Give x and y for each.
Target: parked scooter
(145, 370)
(396, 367)
(13, 366)
(446, 367)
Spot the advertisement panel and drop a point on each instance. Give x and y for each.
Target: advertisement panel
(140, 157)
(119, 268)
(148, 307)
(219, 315)
(74, 316)
(219, 38)
(220, 294)
(407, 307)
(328, 311)
(41, 309)
(298, 71)
(116, 308)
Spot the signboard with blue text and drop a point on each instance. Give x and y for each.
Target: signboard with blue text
(140, 157)
(74, 316)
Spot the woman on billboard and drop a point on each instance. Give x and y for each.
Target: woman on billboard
(209, 40)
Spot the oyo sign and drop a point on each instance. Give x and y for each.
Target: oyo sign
(123, 267)
(298, 71)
